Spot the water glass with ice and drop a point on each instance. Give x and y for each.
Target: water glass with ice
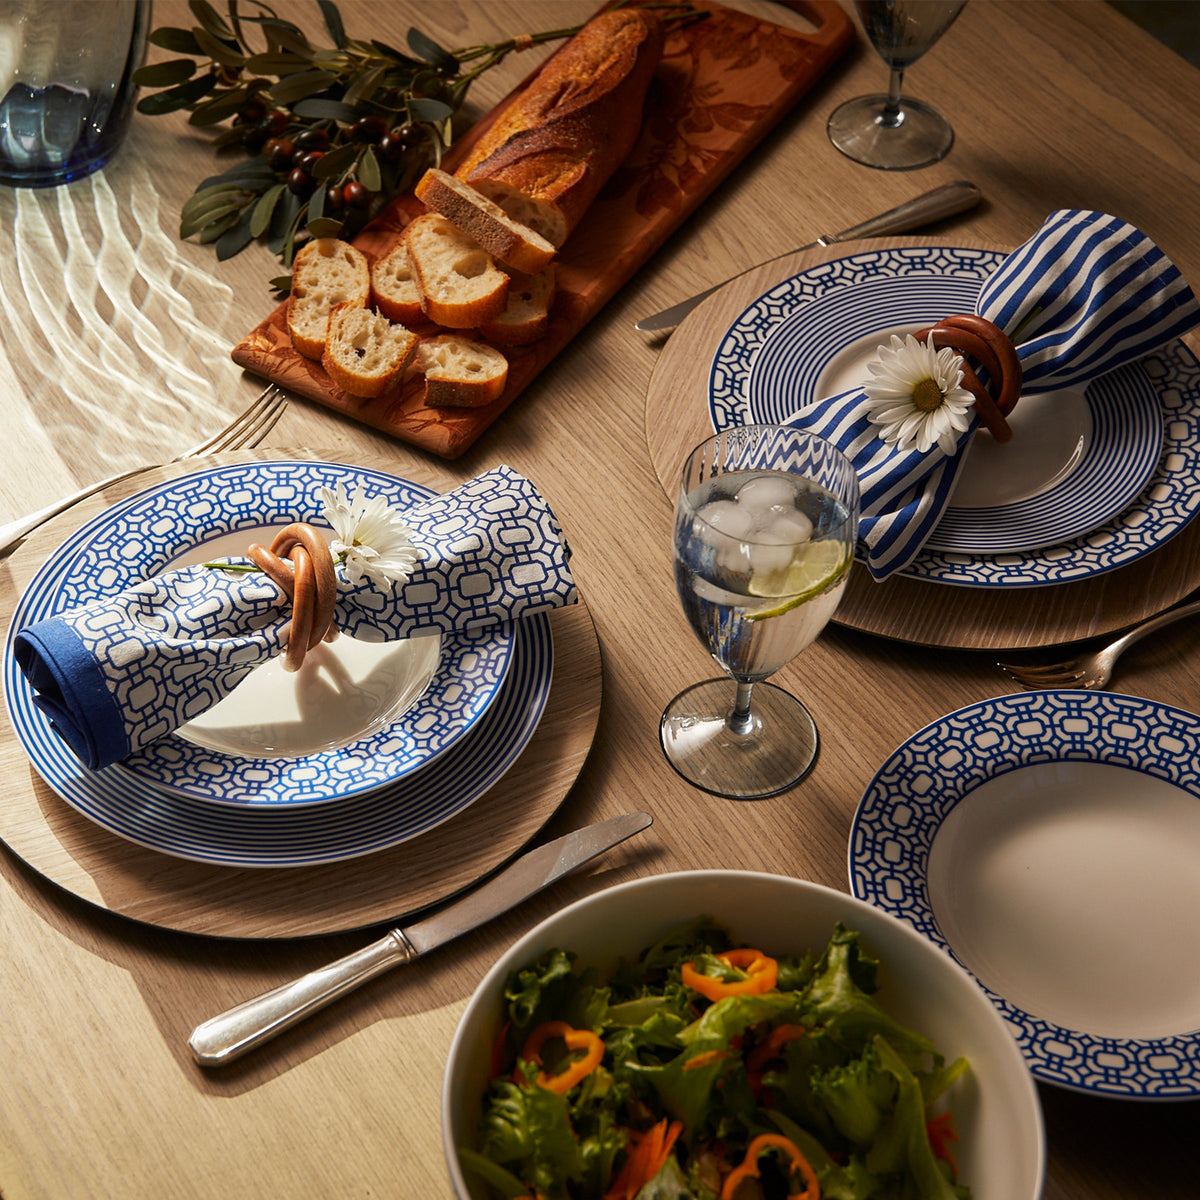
(66, 85)
(765, 529)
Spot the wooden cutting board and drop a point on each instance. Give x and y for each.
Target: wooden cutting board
(729, 59)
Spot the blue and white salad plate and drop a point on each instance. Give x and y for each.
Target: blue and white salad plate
(1103, 483)
(357, 718)
(1048, 841)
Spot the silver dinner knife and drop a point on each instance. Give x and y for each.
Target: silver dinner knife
(228, 1036)
(932, 206)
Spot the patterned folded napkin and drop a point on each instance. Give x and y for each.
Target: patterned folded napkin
(117, 674)
(1086, 294)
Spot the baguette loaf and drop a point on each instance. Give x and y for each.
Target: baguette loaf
(555, 146)
(461, 373)
(365, 354)
(514, 244)
(460, 284)
(326, 272)
(394, 290)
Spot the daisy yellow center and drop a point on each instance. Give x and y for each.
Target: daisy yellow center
(927, 396)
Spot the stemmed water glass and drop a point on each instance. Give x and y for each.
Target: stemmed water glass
(885, 131)
(765, 527)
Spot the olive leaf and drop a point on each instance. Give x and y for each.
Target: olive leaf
(177, 41)
(426, 48)
(210, 19)
(165, 74)
(219, 51)
(176, 98)
(333, 22)
(300, 86)
(368, 171)
(235, 239)
(260, 217)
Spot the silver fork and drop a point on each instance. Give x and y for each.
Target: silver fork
(1093, 670)
(247, 429)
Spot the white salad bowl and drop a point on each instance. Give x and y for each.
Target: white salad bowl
(1001, 1152)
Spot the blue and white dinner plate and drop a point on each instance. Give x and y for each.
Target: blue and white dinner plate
(1116, 487)
(225, 835)
(358, 717)
(1049, 841)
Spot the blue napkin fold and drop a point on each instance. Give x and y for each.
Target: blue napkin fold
(114, 675)
(1085, 295)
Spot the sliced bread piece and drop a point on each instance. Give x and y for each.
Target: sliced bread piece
(526, 316)
(460, 373)
(460, 283)
(326, 272)
(506, 239)
(394, 289)
(365, 354)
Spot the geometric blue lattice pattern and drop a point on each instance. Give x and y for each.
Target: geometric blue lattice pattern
(904, 807)
(134, 654)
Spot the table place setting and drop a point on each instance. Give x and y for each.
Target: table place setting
(1094, 473)
(369, 747)
(1086, 295)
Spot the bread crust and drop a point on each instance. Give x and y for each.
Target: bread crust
(512, 243)
(394, 290)
(526, 316)
(460, 373)
(562, 138)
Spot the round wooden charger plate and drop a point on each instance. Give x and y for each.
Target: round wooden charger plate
(147, 886)
(910, 610)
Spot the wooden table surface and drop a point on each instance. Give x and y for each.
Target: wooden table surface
(1054, 104)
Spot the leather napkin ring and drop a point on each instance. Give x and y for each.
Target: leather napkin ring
(309, 581)
(990, 346)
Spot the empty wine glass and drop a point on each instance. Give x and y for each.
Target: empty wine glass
(885, 131)
(765, 528)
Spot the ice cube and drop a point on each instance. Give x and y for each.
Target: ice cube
(767, 560)
(789, 524)
(728, 517)
(767, 491)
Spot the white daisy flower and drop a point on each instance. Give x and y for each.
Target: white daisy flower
(370, 539)
(917, 397)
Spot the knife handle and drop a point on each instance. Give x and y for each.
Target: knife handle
(228, 1036)
(932, 206)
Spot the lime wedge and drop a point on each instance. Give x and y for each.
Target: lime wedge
(814, 569)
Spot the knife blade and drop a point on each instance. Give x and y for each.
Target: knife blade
(931, 206)
(231, 1034)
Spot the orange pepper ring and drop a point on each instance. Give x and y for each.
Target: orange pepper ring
(574, 1039)
(762, 973)
(749, 1167)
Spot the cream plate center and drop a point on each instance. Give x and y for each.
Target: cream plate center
(1071, 890)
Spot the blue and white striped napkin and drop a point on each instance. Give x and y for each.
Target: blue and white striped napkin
(1086, 294)
(119, 673)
